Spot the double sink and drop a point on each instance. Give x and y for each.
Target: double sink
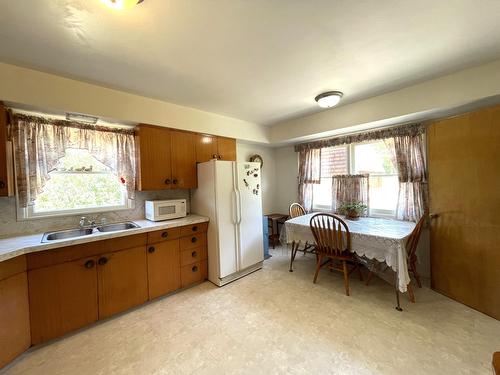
(87, 231)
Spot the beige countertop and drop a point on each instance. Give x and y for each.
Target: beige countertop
(11, 247)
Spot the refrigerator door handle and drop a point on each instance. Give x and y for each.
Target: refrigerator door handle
(234, 206)
(238, 219)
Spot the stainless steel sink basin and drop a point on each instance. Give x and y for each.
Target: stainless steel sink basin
(65, 234)
(117, 226)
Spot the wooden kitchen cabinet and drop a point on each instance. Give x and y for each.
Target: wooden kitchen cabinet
(14, 310)
(122, 280)
(211, 147)
(164, 275)
(154, 164)
(4, 189)
(183, 156)
(226, 148)
(62, 298)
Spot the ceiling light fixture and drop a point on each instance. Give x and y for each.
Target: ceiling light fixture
(121, 4)
(328, 99)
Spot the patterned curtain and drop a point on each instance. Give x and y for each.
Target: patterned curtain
(309, 174)
(350, 189)
(40, 142)
(412, 172)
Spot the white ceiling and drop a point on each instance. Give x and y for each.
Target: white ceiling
(257, 60)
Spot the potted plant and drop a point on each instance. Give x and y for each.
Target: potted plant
(352, 210)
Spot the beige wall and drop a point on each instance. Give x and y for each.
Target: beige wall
(48, 91)
(269, 182)
(286, 176)
(414, 102)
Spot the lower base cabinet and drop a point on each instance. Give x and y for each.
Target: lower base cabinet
(63, 298)
(14, 317)
(194, 273)
(123, 280)
(163, 268)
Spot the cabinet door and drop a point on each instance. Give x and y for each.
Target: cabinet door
(3, 152)
(183, 152)
(14, 317)
(123, 280)
(206, 148)
(154, 158)
(164, 272)
(62, 298)
(226, 148)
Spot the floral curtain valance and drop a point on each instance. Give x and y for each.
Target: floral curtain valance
(41, 142)
(402, 130)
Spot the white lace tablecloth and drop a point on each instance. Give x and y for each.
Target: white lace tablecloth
(373, 238)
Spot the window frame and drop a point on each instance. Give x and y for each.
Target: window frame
(350, 170)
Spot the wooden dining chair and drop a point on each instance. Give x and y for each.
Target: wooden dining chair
(296, 209)
(333, 244)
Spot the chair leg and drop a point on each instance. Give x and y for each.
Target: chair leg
(346, 277)
(360, 273)
(413, 268)
(318, 267)
(411, 295)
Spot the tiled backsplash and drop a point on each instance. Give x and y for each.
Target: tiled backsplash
(9, 226)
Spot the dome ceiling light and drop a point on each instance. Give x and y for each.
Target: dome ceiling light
(329, 99)
(121, 4)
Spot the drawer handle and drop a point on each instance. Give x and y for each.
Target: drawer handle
(194, 254)
(89, 264)
(167, 181)
(102, 261)
(194, 269)
(151, 249)
(195, 228)
(164, 234)
(214, 156)
(194, 239)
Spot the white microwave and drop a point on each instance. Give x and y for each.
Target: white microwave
(165, 210)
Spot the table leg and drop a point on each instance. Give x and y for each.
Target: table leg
(398, 306)
(295, 246)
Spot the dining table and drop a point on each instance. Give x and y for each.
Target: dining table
(372, 238)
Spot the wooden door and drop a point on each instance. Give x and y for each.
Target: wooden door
(164, 272)
(206, 148)
(464, 186)
(4, 191)
(154, 161)
(183, 153)
(14, 317)
(62, 298)
(226, 148)
(123, 280)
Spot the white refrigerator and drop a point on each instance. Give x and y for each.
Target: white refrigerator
(230, 194)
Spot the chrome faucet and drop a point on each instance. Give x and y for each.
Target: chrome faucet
(87, 222)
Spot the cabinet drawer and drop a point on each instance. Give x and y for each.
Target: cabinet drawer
(162, 235)
(194, 273)
(195, 228)
(193, 241)
(193, 255)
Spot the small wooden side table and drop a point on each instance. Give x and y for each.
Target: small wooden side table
(274, 221)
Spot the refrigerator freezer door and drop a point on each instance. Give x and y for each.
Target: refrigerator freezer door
(225, 198)
(250, 214)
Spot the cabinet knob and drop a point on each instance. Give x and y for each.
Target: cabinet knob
(151, 249)
(102, 261)
(167, 181)
(194, 239)
(194, 254)
(89, 264)
(219, 157)
(214, 156)
(194, 269)
(175, 181)
(164, 234)
(2, 184)
(195, 228)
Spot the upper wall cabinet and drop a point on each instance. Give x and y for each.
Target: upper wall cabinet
(183, 153)
(166, 159)
(4, 189)
(212, 147)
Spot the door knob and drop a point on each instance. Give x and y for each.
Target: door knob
(167, 181)
(2, 184)
(102, 261)
(194, 254)
(164, 234)
(151, 249)
(195, 228)
(194, 239)
(194, 269)
(89, 264)
(175, 181)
